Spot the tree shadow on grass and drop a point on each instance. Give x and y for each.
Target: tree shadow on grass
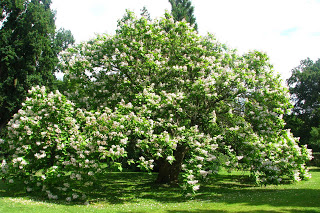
(133, 187)
(294, 195)
(118, 188)
(13, 190)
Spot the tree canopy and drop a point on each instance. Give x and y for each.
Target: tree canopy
(188, 83)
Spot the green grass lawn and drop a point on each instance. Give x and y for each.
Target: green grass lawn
(135, 192)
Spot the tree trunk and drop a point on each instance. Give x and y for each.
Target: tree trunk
(2, 126)
(169, 173)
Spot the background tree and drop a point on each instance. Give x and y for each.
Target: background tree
(63, 39)
(315, 136)
(26, 54)
(145, 13)
(183, 9)
(304, 86)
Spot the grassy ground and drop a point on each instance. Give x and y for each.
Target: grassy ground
(135, 192)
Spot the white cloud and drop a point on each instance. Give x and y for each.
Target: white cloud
(287, 30)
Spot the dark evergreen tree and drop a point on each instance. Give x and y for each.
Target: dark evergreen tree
(27, 30)
(183, 9)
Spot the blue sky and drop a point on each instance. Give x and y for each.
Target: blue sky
(287, 30)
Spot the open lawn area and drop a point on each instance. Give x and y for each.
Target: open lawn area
(136, 192)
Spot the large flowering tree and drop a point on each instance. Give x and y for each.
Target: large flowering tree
(179, 101)
(210, 106)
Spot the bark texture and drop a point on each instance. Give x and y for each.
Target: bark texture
(169, 173)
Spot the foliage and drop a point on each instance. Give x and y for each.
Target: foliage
(305, 89)
(26, 54)
(63, 39)
(315, 136)
(182, 9)
(209, 106)
(44, 148)
(52, 147)
(178, 100)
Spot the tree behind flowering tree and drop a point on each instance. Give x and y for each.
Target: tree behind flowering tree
(26, 51)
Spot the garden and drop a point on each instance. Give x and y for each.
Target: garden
(157, 118)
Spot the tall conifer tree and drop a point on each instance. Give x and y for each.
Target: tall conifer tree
(183, 9)
(27, 30)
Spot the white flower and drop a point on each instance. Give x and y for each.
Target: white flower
(196, 187)
(23, 118)
(199, 158)
(78, 176)
(296, 176)
(190, 177)
(141, 158)
(15, 126)
(192, 182)
(203, 173)
(170, 158)
(75, 196)
(239, 157)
